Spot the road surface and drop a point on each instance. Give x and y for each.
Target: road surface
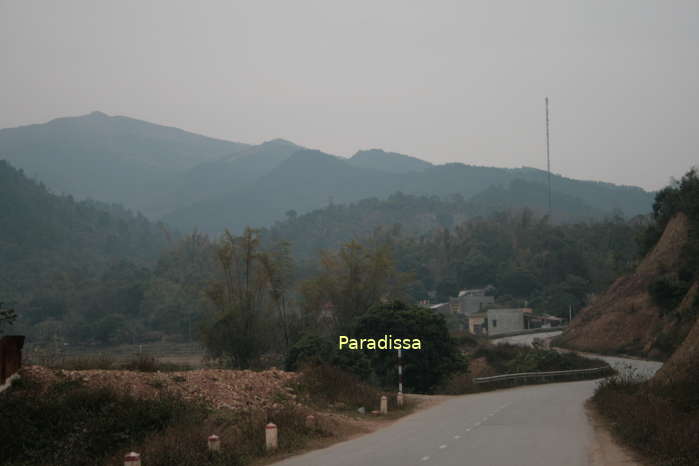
(637, 367)
(527, 339)
(536, 425)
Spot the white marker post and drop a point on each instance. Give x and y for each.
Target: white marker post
(271, 436)
(384, 405)
(132, 459)
(214, 442)
(399, 398)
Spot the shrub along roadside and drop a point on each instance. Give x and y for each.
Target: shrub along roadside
(516, 359)
(661, 421)
(513, 359)
(324, 385)
(69, 423)
(138, 363)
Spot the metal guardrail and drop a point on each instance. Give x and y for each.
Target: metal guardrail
(541, 375)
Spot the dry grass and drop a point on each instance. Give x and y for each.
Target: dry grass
(659, 421)
(323, 386)
(81, 424)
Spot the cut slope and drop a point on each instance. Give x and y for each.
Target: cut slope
(625, 319)
(684, 362)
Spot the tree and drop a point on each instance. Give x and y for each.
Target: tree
(244, 293)
(7, 317)
(424, 368)
(351, 281)
(278, 268)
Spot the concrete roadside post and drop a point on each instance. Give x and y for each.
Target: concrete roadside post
(384, 405)
(132, 459)
(271, 436)
(214, 442)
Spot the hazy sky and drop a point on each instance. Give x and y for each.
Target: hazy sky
(442, 80)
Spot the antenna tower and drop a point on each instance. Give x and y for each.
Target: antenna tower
(548, 153)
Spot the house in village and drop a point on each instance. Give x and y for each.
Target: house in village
(500, 321)
(471, 301)
(496, 321)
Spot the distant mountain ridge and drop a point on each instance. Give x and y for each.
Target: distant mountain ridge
(389, 162)
(108, 158)
(192, 181)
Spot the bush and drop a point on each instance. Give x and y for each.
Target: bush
(659, 420)
(139, 363)
(458, 384)
(668, 293)
(241, 433)
(68, 423)
(324, 385)
(438, 359)
(512, 359)
(312, 349)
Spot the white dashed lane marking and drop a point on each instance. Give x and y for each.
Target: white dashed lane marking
(468, 429)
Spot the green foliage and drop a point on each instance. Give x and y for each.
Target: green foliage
(680, 196)
(245, 294)
(425, 368)
(7, 318)
(513, 359)
(668, 292)
(323, 384)
(309, 349)
(351, 280)
(313, 350)
(68, 423)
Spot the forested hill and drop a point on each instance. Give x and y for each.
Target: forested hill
(407, 214)
(109, 158)
(309, 180)
(196, 182)
(53, 242)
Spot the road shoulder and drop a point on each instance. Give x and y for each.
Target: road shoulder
(605, 449)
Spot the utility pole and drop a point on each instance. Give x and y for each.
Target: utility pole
(400, 371)
(548, 153)
(570, 313)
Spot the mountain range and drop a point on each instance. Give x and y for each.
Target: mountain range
(192, 181)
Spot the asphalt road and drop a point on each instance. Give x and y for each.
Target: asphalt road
(526, 340)
(635, 367)
(537, 425)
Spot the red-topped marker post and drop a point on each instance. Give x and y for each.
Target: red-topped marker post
(132, 459)
(271, 436)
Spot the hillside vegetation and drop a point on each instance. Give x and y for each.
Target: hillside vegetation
(109, 158)
(192, 181)
(650, 311)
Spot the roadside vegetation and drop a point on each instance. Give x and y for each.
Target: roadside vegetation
(661, 421)
(71, 422)
(139, 363)
(488, 359)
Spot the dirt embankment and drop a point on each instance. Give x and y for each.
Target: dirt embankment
(625, 319)
(683, 363)
(217, 387)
